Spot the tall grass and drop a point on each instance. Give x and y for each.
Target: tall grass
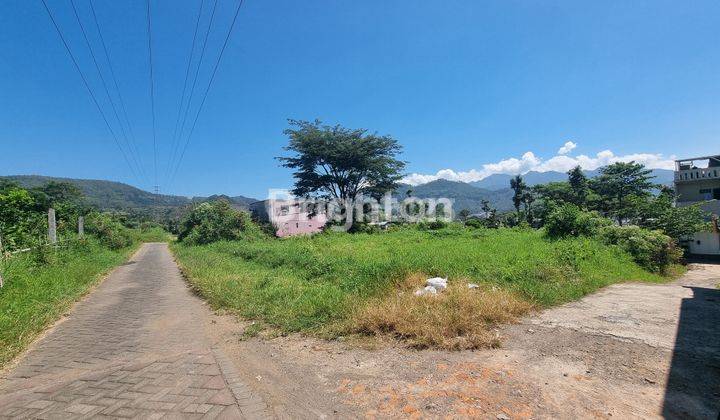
(41, 285)
(319, 283)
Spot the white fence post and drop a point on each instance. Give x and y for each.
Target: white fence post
(81, 226)
(52, 227)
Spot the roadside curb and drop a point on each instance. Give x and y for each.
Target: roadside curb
(251, 405)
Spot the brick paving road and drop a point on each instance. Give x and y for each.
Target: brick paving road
(135, 348)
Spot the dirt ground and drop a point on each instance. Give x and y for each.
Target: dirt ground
(629, 351)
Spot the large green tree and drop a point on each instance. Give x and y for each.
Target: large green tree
(520, 189)
(341, 163)
(622, 188)
(579, 187)
(660, 213)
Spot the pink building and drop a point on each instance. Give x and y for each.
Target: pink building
(290, 217)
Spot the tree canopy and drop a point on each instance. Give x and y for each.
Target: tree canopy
(622, 186)
(341, 163)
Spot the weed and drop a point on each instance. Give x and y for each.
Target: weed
(319, 284)
(458, 318)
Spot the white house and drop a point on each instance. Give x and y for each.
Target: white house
(697, 180)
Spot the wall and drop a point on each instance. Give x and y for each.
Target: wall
(690, 191)
(293, 220)
(709, 243)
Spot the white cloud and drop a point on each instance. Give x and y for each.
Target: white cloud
(567, 148)
(529, 162)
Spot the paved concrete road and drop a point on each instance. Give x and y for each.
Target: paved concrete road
(135, 348)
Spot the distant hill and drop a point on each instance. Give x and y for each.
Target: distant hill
(496, 188)
(502, 181)
(465, 196)
(110, 195)
(239, 200)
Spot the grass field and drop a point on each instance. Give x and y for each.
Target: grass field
(338, 283)
(41, 287)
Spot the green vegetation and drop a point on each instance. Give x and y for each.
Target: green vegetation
(318, 284)
(562, 245)
(341, 163)
(623, 192)
(215, 221)
(569, 220)
(123, 199)
(42, 285)
(651, 249)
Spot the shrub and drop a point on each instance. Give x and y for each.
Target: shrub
(42, 255)
(363, 227)
(21, 224)
(490, 222)
(109, 232)
(216, 221)
(569, 220)
(432, 225)
(474, 223)
(651, 249)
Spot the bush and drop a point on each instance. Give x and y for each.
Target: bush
(42, 255)
(651, 249)
(474, 223)
(215, 221)
(432, 225)
(569, 220)
(490, 222)
(362, 227)
(21, 224)
(109, 232)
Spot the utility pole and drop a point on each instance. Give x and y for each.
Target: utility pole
(52, 227)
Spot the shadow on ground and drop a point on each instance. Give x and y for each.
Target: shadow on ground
(693, 388)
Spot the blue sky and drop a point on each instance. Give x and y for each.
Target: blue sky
(467, 87)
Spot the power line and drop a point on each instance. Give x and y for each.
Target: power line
(117, 88)
(195, 77)
(87, 86)
(152, 90)
(175, 140)
(104, 84)
(207, 90)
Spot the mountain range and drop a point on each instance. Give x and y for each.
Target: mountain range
(502, 181)
(110, 195)
(464, 195)
(496, 188)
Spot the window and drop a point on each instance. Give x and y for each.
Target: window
(716, 194)
(284, 210)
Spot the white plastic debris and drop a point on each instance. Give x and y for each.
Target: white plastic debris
(428, 290)
(473, 286)
(438, 283)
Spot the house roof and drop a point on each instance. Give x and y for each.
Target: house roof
(715, 157)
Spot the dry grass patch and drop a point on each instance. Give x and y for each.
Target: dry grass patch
(458, 318)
